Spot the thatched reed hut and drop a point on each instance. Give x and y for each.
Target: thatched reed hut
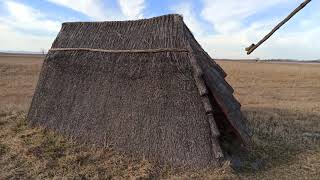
(144, 87)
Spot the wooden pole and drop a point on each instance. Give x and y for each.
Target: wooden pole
(252, 47)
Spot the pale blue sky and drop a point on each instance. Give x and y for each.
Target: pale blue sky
(223, 27)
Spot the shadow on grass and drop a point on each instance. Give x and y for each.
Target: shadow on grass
(278, 138)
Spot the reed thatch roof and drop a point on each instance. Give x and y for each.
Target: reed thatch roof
(147, 89)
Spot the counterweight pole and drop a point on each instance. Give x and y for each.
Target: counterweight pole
(252, 47)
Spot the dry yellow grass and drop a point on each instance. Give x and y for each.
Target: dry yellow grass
(281, 101)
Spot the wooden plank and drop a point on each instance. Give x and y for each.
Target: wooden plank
(226, 100)
(211, 64)
(216, 149)
(202, 55)
(202, 89)
(239, 124)
(215, 144)
(198, 76)
(197, 71)
(219, 68)
(207, 105)
(213, 126)
(231, 109)
(214, 77)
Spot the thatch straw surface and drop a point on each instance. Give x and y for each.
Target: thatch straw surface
(167, 106)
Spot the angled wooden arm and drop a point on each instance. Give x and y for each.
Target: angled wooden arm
(252, 47)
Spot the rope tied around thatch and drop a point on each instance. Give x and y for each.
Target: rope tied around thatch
(158, 50)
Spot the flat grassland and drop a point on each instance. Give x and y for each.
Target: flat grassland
(280, 100)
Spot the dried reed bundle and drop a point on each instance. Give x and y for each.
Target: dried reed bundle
(144, 87)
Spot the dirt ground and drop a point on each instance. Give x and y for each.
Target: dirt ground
(280, 100)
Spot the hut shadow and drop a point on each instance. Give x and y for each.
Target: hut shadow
(279, 136)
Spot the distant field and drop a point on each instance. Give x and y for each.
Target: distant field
(280, 100)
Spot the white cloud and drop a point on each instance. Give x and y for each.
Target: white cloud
(95, 9)
(13, 40)
(294, 45)
(299, 44)
(132, 9)
(189, 17)
(25, 17)
(233, 36)
(19, 26)
(227, 15)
